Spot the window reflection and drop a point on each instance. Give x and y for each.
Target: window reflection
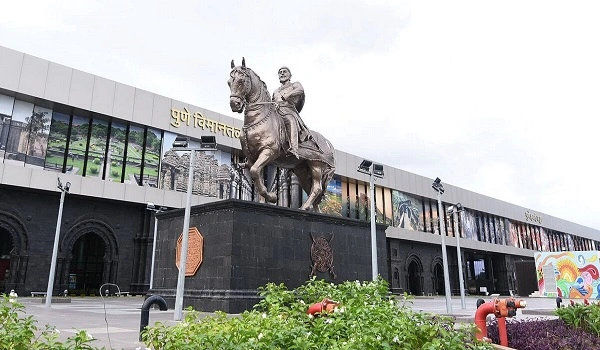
(97, 148)
(18, 134)
(135, 148)
(38, 125)
(57, 142)
(116, 152)
(152, 158)
(78, 145)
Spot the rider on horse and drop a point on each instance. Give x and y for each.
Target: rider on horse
(290, 100)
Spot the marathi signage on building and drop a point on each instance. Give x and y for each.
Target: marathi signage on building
(194, 253)
(179, 116)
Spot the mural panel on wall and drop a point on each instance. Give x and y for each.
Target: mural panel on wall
(513, 234)
(25, 134)
(332, 200)
(408, 211)
(469, 225)
(213, 173)
(78, 144)
(97, 148)
(575, 274)
(151, 158)
(57, 142)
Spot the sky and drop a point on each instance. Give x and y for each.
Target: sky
(499, 98)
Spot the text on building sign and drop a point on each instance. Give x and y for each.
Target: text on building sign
(199, 121)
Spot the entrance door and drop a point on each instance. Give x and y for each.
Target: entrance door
(87, 265)
(6, 246)
(414, 279)
(438, 279)
(526, 277)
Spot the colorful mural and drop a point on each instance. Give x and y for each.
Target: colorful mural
(576, 274)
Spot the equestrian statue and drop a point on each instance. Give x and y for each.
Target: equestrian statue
(273, 133)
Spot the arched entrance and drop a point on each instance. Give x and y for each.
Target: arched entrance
(90, 255)
(87, 264)
(6, 246)
(414, 279)
(438, 278)
(14, 249)
(414, 275)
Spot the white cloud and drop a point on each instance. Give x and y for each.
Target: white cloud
(497, 98)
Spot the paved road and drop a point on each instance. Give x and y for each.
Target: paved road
(115, 322)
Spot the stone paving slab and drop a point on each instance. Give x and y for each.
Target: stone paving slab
(115, 322)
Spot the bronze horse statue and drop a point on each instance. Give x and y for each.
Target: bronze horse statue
(263, 138)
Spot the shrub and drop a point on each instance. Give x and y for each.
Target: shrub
(94, 169)
(115, 173)
(21, 333)
(96, 161)
(585, 316)
(367, 318)
(540, 334)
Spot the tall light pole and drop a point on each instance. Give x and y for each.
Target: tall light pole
(455, 210)
(373, 170)
(63, 189)
(207, 143)
(439, 188)
(150, 206)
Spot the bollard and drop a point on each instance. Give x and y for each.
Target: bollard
(558, 302)
(501, 308)
(153, 299)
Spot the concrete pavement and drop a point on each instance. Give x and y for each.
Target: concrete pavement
(115, 322)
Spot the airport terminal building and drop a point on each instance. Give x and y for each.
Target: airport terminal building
(113, 144)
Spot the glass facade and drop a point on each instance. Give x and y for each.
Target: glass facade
(82, 143)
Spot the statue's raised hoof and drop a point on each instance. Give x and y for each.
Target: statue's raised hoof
(271, 197)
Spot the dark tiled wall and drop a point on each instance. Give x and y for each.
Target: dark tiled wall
(247, 245)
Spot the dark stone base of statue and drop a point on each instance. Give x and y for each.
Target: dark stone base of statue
(248, 244)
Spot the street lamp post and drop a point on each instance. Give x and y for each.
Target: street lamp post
(455, 210)
(64, 189)
(373, 170)
(150, 206)
(207, 143)
(439, 188)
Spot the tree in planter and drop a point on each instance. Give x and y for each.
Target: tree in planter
(366, 318)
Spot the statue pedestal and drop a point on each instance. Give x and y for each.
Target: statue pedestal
(248, 244)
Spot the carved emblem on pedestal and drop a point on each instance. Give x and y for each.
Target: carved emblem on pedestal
(321, 255)
(194, 253)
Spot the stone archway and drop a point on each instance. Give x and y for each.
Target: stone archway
(17, 257)
(437, 276)
(86, 268)
(99, 226)
(414, 275)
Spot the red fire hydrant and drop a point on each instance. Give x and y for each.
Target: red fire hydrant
(501, 308)
(325, 305)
